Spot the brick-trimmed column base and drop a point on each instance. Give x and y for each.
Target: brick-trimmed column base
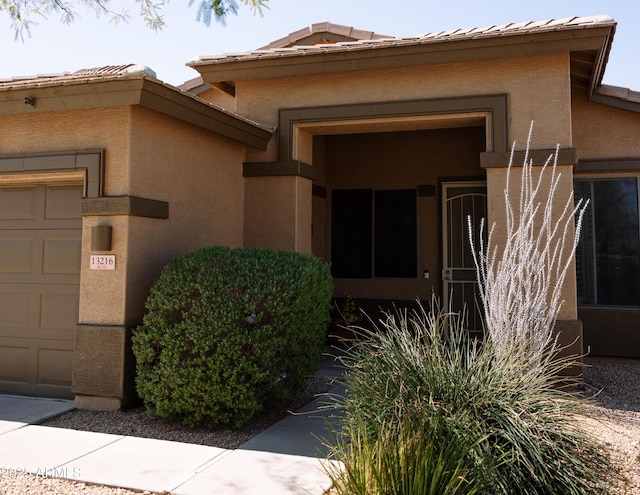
(103, 367)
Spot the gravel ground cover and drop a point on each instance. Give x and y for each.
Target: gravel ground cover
(615, 421)
(615, 416)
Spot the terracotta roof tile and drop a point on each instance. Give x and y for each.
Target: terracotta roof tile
(107, 72)
(368, 40)
(318, 28)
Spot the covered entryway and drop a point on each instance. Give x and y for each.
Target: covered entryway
(376, 199)
(40, 247)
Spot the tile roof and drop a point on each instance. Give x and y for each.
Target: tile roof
(365, 40)
(115, 73)
(337, 30)
(102, 73)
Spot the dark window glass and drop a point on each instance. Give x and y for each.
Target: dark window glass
(608, 257)
(395, 233)
(585, 261)
(351, 226)
(356, 252)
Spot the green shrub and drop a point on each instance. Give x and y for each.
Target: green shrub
(522, 427)
(230, 330)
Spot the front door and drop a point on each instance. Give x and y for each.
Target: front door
(461, 200)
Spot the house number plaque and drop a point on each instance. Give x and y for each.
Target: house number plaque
(102, 262)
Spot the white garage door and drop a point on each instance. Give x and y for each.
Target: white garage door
(40, 246)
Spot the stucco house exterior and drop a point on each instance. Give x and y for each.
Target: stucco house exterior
(366, 150)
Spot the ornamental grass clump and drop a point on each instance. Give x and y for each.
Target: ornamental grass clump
(403, 430)
(485, 423)
(404, 459)
(491, 416)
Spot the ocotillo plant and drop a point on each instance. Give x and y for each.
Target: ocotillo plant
(520, 282)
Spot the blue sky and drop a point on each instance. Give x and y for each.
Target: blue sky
(90, 42)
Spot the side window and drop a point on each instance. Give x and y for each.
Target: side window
(608, 256)
(373, 233)
(351, 231)
(396, 243)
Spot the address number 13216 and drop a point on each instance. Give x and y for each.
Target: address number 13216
(102, 262)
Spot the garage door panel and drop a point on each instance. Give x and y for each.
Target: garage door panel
(33, 362)
(15, 311)
(62, 202)
(16, 253)
(39, 368)
(18, 204)
(54, 366)
(39, 311)
(61, 253)
(13, 363)
(37, 256)
(42, 207)
(59, 312)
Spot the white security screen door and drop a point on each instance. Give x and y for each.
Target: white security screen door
(461, 200)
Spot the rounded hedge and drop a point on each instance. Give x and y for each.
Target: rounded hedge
(230, 330)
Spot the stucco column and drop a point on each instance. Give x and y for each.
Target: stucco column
(103, 367)
(278, 205)
(567, 325)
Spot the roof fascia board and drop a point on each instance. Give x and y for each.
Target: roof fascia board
(601, 60)
(612, 101)
(132, 91)
(67, 96)
(166, 100)
(436, 52)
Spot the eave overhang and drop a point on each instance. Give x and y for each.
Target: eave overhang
(371, 56)
(28, 97)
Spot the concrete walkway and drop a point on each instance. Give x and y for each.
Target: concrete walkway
(284, 459)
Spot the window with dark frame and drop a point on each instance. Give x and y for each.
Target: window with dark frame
(608, 255)
(374, 233)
